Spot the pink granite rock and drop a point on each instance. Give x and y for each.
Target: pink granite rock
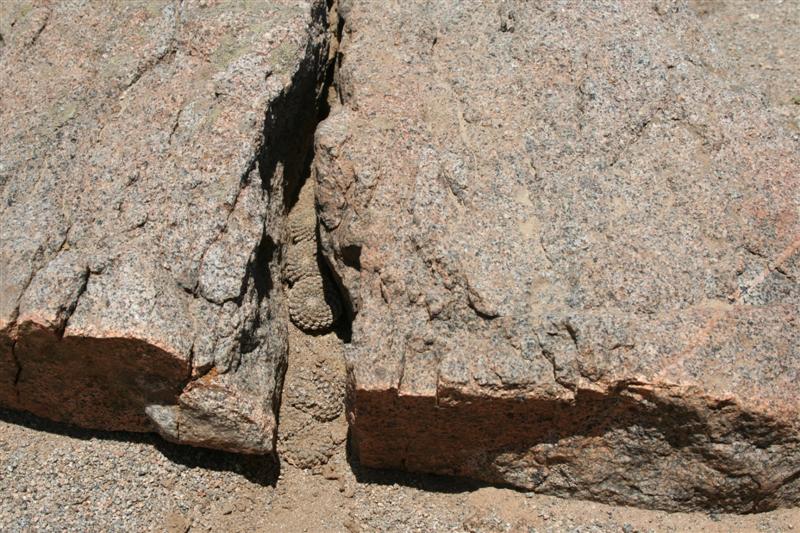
(571, 244)
(146, 148)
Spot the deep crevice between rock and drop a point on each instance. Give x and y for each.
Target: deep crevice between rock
(281, 163)
(18, 370)
(301, 169)
(312, 429)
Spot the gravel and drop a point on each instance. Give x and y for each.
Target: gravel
(57, 478)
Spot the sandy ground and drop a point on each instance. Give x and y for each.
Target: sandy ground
(57, 478)
(53, 478)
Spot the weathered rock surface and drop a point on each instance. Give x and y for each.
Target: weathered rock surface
(767, 65)
(147, 147)
(571, 242)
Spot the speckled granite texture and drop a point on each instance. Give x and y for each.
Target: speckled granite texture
(566, 235)
(571, 240)
(144, 159)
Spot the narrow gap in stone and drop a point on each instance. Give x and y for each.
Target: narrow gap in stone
(344, 327)
(18, 373)
(288, 132)
(295, 181)
(312, 425)
(352, 254)
(69, 310)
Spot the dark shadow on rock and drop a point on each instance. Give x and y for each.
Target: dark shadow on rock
(425, 482)
(261, 469)
(627, 434)
(291, 120)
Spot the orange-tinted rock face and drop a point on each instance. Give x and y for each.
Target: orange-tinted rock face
(142, 170)
(567, 236)
(572, 243)
(94, 382)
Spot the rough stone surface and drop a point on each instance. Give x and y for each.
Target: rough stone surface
(760, 41)
(146, 150)
(571, 241)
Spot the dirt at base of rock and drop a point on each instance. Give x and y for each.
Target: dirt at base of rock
(312, 420)
(53, 478)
